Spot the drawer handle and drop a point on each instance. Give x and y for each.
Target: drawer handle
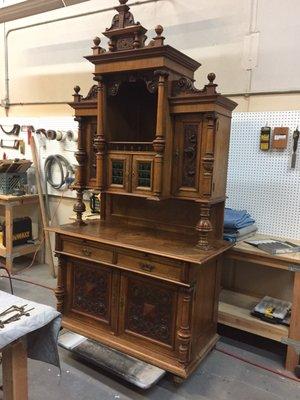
(86, 252)
(147, 267)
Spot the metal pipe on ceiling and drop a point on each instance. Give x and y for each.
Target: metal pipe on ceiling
(6, 102)
(246, 95)
(262, 93)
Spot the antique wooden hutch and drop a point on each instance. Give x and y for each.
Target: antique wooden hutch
(145, 278)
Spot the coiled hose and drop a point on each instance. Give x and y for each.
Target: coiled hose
(66, 172)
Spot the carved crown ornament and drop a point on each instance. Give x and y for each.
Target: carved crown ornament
(126, 34)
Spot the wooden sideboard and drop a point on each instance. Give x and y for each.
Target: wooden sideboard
(145, 278)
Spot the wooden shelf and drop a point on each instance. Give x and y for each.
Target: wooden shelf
(20, 250)
(234, 311)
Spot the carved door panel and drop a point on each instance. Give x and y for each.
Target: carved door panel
(186, 158)
(148, 311)
(119, 166)
(90, 130)
(142, 174)
(90, 289)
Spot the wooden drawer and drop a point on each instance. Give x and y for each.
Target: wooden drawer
(152, 266)
(86, 249)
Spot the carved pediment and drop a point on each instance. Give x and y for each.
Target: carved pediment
(124, 33)
(185, 86)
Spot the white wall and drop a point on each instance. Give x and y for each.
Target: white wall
(46, 61)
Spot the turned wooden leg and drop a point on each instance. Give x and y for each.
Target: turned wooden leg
(177, 380)
(15, 386)
(79, 208)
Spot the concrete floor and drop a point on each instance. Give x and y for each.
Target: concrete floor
(219, 377)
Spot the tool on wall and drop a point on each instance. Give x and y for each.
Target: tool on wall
(280, 138)
(13, 144)
(15, 130)
(265, 138)
(29, 129)
(296, 135)
(72, 136)
(51, 134)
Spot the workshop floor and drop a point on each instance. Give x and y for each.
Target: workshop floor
(219, 377)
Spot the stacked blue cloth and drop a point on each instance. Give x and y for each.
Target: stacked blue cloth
(238, 225)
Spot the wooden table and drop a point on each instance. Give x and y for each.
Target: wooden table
(234, 307)
(14, 366)
(32, 336)
(10, 252)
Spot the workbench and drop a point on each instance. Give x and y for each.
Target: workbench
(236, 303)
(10, 203)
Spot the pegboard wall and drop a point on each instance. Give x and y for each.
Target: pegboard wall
(262, 182)
(45, 147)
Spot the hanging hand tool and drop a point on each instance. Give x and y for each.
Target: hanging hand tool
(296, 135)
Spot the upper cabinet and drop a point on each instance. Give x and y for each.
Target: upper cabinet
(145, 130)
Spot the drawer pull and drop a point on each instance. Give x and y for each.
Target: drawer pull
(86, 252)
(147, 267)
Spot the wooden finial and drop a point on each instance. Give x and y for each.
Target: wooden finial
(97, 41)
(211, 86)
(159, 40)
(211, 77)
(159, 30)
(76, 95)
(97, 49)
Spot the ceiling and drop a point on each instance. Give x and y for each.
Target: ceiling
(32, 7)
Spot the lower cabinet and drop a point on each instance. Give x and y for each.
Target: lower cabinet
(127, 304)
(169, 324)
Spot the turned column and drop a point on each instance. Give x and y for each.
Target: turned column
(184, 334)
(60, 289)
(79, 206)
(204, 227)
(159, 141)
(99, 141)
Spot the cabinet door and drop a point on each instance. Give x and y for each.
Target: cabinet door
(186, 160)
(118, 172)
(148, 311)
(90, 293)
(142, 174)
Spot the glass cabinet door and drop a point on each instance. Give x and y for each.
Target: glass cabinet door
(142, 174)
(118, 172)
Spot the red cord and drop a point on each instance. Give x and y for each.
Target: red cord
(274, 371)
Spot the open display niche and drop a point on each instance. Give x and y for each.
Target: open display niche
(131, 116)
